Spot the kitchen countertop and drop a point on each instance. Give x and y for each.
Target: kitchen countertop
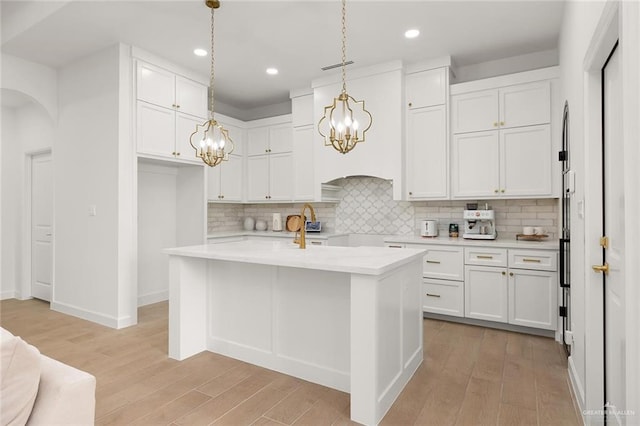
(357, 260)
(498, 242)
(280, 234)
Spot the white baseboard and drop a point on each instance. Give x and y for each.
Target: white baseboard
(576, 387)
(151, 298)
(99, 318)
(8, 295)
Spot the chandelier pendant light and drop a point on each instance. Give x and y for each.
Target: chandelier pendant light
(211, 140)
(346, 120)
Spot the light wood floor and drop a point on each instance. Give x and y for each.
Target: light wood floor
(470, 376)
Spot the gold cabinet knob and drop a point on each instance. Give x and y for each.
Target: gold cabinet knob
(601, 268)
(495, 124)
(173, 153)
(510, 274)
(504, 273)
(495, 190)
(410, 104)
(501, 123)
(502, 190)
(410, 193)
(177, 153)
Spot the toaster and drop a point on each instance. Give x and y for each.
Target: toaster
(429, 228)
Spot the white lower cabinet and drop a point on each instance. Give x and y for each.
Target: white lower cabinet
(504, 285)
(486, 293)
(443, 297)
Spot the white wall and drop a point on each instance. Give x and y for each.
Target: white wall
(34, 80)
(25, 130)
(88, 278)
(579, 26)
(514, 64)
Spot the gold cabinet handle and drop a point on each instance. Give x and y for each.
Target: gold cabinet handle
(437, 262)
(525, 259)
(433, 295)
(480, 256)
(601, 268)
(395, 246)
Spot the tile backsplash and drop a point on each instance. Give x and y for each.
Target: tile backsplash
(367, 207)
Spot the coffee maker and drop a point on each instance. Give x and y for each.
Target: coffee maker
(479, 224)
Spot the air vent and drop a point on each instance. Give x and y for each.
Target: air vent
(330, 67)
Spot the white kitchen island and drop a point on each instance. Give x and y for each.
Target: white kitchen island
(348, 318)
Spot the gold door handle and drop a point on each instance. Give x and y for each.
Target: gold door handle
(601, 268)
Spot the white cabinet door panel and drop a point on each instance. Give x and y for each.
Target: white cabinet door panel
(475, 165)
(303, 139)
(475, 111)
(533, 298)
(485, 293)
(258, 178)
(155, 129)
(427, 153)
(231, 177)
(280, 138)
(213, 183)
(185, 126)
(426, 88)
(258, 141)
(280, 177)
(525, 104)
(191, 97)
(526, 161)
(155, 85)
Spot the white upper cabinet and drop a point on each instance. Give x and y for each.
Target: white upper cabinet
(224, 182)
(525, 104)
(168, 108)
(303, 164)
(270, 160)
(473, 112)
(426, 88)
(511, 106)
(475, 168)
(427, 153)
(503, 143)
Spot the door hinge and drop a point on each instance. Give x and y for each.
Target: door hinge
(604, 242)
(562, 155)
(562, 311)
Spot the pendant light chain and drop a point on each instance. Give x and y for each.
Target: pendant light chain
(344, 46)
(212, 78)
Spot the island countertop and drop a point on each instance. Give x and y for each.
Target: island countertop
(356, 260)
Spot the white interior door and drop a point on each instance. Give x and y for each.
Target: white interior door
(613, 253)
(41, 226)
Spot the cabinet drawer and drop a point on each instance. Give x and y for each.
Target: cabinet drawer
(538, 260)
(442, 262)
(443, 297)
(485, 256)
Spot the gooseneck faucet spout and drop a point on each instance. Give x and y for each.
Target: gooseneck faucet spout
(302, 240)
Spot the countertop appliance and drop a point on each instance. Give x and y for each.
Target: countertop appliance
(429, 228)
(479, 224)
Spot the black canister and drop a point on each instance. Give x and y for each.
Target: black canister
(453, 230)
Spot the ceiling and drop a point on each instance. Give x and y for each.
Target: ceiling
(296, 36)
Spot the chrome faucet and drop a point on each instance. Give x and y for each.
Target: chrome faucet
(301, 240)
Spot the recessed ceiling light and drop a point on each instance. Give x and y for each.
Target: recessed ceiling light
(272, 71)
(199, 52)
(413, 33)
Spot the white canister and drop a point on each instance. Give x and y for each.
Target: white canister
(249, 224)
(429, 228)
(277, 222)
(261, 225)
